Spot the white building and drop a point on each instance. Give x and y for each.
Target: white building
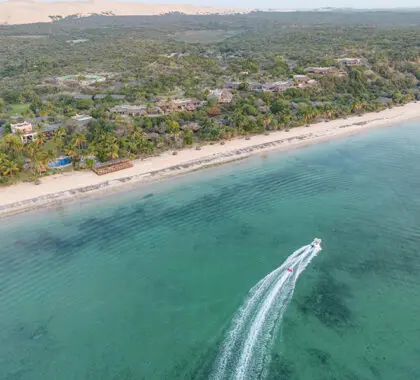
(25, 131)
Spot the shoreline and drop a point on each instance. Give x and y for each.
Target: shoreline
(60, 188)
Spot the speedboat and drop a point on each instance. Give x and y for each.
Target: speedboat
(316, 243)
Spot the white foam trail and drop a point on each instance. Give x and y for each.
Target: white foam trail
(283, 288)
(242, 315)
(246, 348)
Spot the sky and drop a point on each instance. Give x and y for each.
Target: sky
(285, 4)
(296, 4)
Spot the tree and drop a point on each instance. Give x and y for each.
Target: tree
(40, 138)
(8, 168)
(55, 18)
(209, 130)
(12, 96)
(58, 138)
(11, 144)
(356, 106)
(244, 86)
(280, 106)
(172, 127)
(188, 136)
(8, 129)
(84, 104)
(214, 110)
(306, 112)
(78, 140)
(36, 104)
(397, 97)
(328, 111)
(39, 157)
(74, 153)
(106, 147)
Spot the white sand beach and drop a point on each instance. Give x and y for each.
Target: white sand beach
(57, 188)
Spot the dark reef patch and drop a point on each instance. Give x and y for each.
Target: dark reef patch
(327, 303)
(320, 357)
(281, 368)
(197, 364)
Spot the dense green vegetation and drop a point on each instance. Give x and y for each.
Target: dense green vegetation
(173, 56)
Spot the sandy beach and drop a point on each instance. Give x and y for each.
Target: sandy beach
(61, 187)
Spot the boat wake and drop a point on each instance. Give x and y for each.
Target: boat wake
(245, 353)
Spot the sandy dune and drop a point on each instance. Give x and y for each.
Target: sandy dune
(25, 12)
(61, 187)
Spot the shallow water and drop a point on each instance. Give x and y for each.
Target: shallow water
(144, 284)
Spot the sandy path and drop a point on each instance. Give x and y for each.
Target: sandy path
(69, 185)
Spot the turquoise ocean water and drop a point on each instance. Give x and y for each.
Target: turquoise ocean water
(144, 284)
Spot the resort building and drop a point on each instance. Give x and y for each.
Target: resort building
(139, 111)
(82, 118)
(309, 83)
(222, 96)
(25, 131)
(253, 86)
(277, 86)
(179, 105)
(130, 110)
(49, 129)
(319, 70)
(301, 78)
(350, 61)
(233, 85)
(22, 128)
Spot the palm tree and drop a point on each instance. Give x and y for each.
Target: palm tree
(113, 152)
(111, 147)
(106, 147)
(74, 153)
(328, 110)
(42, 159)
(12, 144)
(356, 106)
(3, 162)
(307, 113)
(78, 140)
(32, 153)
(136, 132)
(40, 137)
(58, 138)
(31, 150)
(129, 145)
(9, 168)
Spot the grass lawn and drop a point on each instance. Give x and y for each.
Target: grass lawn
(17, 109)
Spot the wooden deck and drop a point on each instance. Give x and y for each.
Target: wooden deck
(112, 166)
